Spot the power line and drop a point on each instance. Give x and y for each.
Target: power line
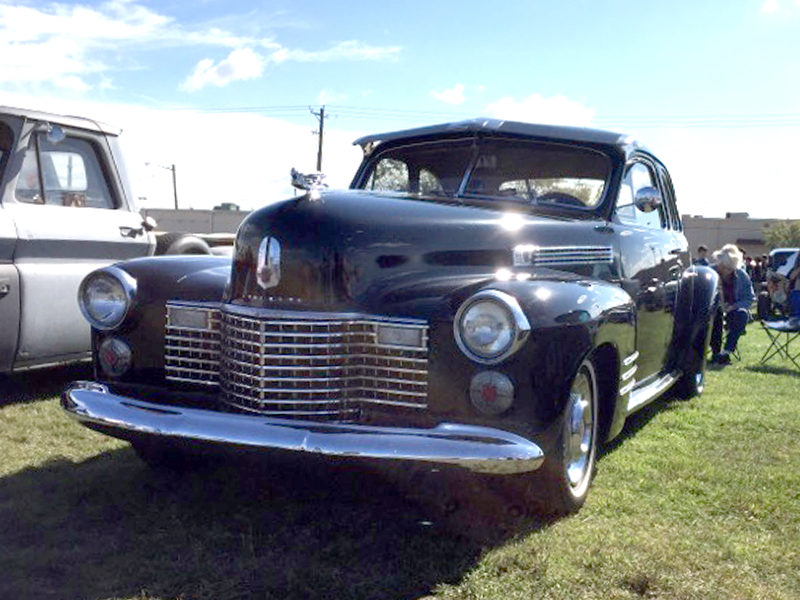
(716, 121)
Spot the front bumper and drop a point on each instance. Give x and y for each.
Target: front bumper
(480, 449)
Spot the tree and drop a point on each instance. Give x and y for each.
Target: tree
(782, 234)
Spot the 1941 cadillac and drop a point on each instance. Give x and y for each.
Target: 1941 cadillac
(488, 295)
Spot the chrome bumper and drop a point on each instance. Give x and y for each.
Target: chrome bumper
(480, 449)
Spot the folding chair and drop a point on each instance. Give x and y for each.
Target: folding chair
(782, 333)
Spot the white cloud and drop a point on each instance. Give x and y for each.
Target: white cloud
(770, 6)
(455, 95)
(75, 47)
(350, 50)
(557, 110)
(241, 64)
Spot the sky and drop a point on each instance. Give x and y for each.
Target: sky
(230, 93)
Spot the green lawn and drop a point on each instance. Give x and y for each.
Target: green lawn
(699, 499)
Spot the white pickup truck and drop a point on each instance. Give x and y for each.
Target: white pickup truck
(66, 208)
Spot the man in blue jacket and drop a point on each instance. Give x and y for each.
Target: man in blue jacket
(737, 296)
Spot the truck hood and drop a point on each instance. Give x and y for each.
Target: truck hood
(356, 250)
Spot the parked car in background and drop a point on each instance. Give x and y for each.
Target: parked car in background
(65, 209)
(488, 295)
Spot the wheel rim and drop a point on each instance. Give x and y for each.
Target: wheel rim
(580, 432)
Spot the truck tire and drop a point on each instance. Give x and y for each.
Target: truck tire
(176, 242)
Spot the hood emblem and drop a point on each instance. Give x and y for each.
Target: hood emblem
(268, 271)
(312, 183)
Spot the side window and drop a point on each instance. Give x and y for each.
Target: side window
(389, 175)
(6, 141)
(637, 176)
(67, 173)
(669, 200)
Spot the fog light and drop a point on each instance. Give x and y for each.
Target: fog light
(491, 392)
(115, 357)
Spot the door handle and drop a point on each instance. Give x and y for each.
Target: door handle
(5, 289)
(130, 232)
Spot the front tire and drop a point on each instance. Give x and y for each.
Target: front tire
(562, 483)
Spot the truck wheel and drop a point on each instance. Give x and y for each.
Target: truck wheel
(181, 243)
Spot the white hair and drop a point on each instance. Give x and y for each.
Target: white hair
(729, 256)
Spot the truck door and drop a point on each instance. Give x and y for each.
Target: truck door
(72, 215)
(9, 285)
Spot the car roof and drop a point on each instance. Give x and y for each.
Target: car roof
(65, 120)
(555, 132)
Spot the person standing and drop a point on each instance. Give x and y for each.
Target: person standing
(702, 255)
(734, 310)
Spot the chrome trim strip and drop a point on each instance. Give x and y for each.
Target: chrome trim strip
(480, 449)
(630, 359)
(629, 373)
(627, 387)
(528, 255)
(650, 392)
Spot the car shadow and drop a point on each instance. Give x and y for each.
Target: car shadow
(40, 384)
(112, 527)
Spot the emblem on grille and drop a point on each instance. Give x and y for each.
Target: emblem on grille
(268, 271)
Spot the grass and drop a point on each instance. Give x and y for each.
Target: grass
(700, 499)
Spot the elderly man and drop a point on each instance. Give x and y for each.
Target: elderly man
(737, 296)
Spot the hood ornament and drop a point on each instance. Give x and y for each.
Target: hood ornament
(311, 182)
(268, 269)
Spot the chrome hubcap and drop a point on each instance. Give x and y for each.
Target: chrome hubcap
(580, 428)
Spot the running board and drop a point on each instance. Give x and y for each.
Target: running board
(640, 396)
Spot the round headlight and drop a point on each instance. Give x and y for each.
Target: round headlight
(490, 326)
(105, 297)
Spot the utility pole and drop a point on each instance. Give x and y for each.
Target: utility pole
(174, 180)
(174, 185)
(321, 118)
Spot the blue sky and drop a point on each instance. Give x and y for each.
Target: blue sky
(223, 90)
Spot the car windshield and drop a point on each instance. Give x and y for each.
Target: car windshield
(493, 168)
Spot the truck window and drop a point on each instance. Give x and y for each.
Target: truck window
(67, 173)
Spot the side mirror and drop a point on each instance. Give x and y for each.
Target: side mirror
(55, 133)
(647, 199)
(149, 223)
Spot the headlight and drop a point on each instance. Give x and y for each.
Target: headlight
(490, 326)
(105, 297)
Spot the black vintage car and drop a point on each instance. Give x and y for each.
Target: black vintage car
(488, 295)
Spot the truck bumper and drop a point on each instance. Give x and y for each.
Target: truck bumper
(479, 449)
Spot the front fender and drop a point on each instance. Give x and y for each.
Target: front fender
(569, 320)
(159, 279)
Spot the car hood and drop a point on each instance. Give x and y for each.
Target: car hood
(361, 251)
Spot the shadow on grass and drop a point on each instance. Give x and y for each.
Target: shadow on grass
(774, 370)
(110, 527)
(40, 384)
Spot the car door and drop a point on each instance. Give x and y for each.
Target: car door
(648, 265)
(72, 214)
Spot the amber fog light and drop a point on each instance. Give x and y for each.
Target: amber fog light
(491, 392)
(114, 356)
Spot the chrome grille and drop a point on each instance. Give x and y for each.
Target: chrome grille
(299, 365)
(192, 350)
(320, 367)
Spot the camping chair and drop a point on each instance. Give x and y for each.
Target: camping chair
(783, 333)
